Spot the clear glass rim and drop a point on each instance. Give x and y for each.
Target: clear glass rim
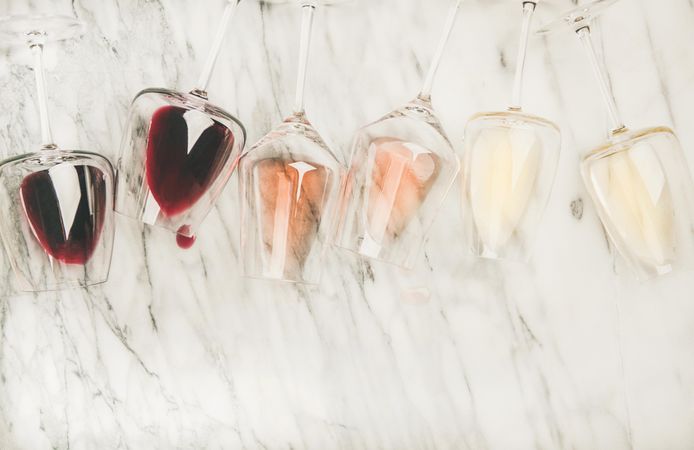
(579, 16)
(287, 281)
(373, 258)
(22, 29)
(525, 261)
(191, 230)
(65, 285)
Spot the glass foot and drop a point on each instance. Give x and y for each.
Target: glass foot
(578, 17)
(40, 29)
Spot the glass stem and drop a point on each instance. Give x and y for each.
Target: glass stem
(516, 98)
(425, 93)
(308, 10)
(585, 37)
(46, 135)
(204, 80)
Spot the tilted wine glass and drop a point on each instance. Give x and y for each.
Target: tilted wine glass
(58, 224)
(638, 180)
(178, 152)
(401, 170)
(509, 167)
(289, 187)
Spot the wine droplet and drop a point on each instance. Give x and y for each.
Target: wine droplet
(183, 241)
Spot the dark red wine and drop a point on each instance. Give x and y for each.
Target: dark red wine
(66, 210)
(179, 173)
(183, 241)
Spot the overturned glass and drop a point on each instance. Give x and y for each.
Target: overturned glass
(58, 224)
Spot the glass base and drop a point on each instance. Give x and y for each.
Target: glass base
(24, 30)
(576, 18)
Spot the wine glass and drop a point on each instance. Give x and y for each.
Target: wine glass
(178, 152)
(58, 225)
(638, 180)
(510, 163)
(289, 184)
(401, 170)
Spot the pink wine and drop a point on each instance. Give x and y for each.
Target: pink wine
(292, 195)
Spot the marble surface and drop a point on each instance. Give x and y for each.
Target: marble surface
(178, 351)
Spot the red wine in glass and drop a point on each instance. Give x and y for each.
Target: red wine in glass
(179, 170)
(65, 207)
(178, 151)
(57, 223)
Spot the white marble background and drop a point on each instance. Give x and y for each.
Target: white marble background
(178, 351)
